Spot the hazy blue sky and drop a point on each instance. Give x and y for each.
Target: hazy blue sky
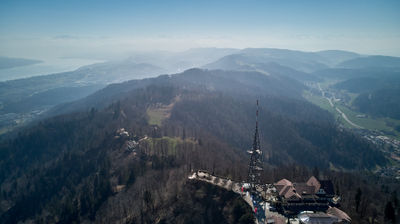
(36, 28)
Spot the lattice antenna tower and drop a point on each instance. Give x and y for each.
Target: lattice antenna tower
(255, 165)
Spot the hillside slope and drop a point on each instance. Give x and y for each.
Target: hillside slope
(83, 167)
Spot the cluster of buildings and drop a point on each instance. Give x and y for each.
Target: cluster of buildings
(313, 192)
(308, 202)
(10, 121)
(379, 139)
(390, 146)
(131, 142)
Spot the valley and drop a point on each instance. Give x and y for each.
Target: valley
(375, 130)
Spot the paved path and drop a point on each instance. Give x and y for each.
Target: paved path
(236, 187)
(224, 183)
(347, 119)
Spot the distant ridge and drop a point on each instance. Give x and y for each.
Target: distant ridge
(376, 61)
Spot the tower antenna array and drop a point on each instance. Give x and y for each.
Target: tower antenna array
(255, 165)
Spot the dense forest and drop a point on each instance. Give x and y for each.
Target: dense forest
(104, 159)
(381, 103)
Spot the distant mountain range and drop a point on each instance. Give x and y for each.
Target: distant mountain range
(372, 62)
(298, 60)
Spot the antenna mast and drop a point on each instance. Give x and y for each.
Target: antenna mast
(255, 165)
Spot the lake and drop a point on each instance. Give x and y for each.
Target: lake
(48, 66)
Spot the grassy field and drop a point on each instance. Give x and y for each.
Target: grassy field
(319, 101)
(155, 117)
(157, 114)
(324, 104)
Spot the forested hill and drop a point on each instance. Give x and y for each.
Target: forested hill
(222, 103)
(81, 166)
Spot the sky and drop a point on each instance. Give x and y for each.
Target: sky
(98, 29)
